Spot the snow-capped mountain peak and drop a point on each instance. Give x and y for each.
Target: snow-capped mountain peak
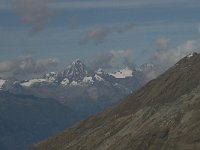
(76, 71)
(76, 74)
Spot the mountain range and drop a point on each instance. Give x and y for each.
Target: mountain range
(80, 88)
(163, 114)
(32, 110)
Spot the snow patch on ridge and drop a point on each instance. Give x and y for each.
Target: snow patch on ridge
(65, 82)
(97, 77)
(51, 76)
(123, 73)
(191, 54)
(32, 81)
(99, 71)
(74, 83)
(2, 83)
(88, 80)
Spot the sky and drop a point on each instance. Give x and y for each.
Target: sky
(39, 35)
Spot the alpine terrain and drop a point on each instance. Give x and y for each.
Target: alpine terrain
(164, 114)
(82, 89)
(32, 110)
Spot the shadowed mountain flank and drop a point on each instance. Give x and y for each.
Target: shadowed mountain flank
(25, 120)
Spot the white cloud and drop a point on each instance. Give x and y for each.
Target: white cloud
(99, 34)
(7, 66)
(33, 12)
(94, 4)
(112, 58)
(162, 42)
(117, 4)
(27, 65)
(168, 57)
(121, 53)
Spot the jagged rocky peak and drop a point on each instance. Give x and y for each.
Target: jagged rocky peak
(51, 76)
(76, 71)
(190, 58)
(191, 54)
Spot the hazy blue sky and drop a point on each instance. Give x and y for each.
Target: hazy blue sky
(138, 30)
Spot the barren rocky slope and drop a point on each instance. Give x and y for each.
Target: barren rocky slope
(163, 115)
